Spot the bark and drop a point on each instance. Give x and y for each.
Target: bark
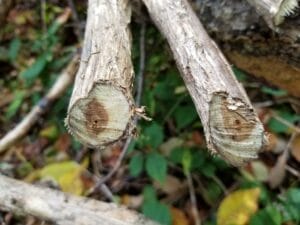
(231, 127)
(243, 36)
(274, 11)
(101, 108)
(62, 208)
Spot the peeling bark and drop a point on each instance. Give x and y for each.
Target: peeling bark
(101, 108)
(231, 127)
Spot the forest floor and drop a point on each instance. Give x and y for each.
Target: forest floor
(167, 172)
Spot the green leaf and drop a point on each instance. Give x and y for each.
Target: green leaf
(136, 165)
(154, 134)
(177, 155)
(277, 126)
(208, 169)
(240, 75)
(131, 147)
(269, 215)
(293, 196)
(185, 115)
(156, 166)
(213, 191)
(51, 132)
(186, 161)
(291, 205)
(15, 104)
(274, 92)
(149, 194)
(35, 69)
(14, 48)
(163, 91)
(157, 211)
(198, 159)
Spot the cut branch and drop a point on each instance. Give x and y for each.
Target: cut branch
(101, 108)
(61, 208)
(274, 11)
(56, 91)
(231, 126)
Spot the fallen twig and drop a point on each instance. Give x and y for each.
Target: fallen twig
(61, 208)
(56, 91)
(277, 173)
(231, 126)
(193, 198)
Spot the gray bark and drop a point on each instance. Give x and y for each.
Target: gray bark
(61, 208)
(231, 126)
(101, 108)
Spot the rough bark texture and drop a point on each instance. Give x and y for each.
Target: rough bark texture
(101, 107)
(231, 126)
(243, 35)
(61, 208)
(274, 11)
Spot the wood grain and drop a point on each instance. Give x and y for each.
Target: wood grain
(219, 98)
(101, 108)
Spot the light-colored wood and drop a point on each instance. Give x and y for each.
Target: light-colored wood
(61, 208)
(231, 126)
(274, 11)
(101, 108)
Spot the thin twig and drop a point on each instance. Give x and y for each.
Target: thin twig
(140, 81)
(140, 75)
(293, 171)
(193, 199)
(220, 183)
(59, 87)
(285, 122)
(277, 173)
(104, 179)
(96, 161)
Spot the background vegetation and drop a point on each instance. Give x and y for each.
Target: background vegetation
(167, 173)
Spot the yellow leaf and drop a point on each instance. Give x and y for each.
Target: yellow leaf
(237, 207)
(178, 217)
(50, 132)
(66, 174)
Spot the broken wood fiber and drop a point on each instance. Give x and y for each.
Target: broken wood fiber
(101, 107)
(231, 126)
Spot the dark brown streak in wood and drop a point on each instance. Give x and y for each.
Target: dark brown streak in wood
(235, 123)
(96, 117)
